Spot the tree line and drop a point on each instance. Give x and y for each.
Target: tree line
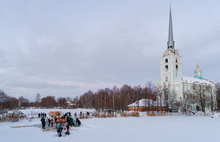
(116, 98)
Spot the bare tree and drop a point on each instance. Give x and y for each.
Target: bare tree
(48, 101)
(211, 97)
(165, 94)
(38, 100)
(189, 99)
(13, 102)
(68, 99)
(23, 102)
(62, 102)
(200, 91)
(218, 94)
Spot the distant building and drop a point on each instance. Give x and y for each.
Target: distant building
(171, 76)
(143, 105)
(71, 104)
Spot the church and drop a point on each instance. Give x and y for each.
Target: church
(171, 76)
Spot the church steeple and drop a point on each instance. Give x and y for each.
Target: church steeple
(170, 43)
(198, 72)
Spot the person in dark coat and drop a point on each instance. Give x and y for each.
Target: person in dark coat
(48, 122)
(78, 122)
(71, 122)
(43, 122)
(67, 129)
(51, 122)
(68, 120)
(39, 115)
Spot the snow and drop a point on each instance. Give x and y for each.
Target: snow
(197, 81)
(36, 111)
(144, 103)
(121, 129)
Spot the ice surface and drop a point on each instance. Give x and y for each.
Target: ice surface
(176, 128)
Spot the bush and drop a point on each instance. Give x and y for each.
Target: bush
(133, 114)
(9, 119)
(3, 119)
(151, 114)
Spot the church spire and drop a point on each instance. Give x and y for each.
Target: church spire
(170, 43)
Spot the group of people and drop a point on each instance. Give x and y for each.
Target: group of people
(48, 121)
(66, 121)
(63, 122)
(42, 115)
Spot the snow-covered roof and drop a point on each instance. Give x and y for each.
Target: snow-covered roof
(144, 103)
(186, 79)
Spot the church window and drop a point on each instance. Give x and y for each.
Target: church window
(166, 61)
(177, 96)
(176, 67)
(166, 68)
(176, 60)
(166, 79)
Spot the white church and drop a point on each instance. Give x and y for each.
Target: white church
(171, 73)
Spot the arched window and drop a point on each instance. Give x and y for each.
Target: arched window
(166, 60)
(176, 60)
(166, 68)
(176, 67)
(166, 79)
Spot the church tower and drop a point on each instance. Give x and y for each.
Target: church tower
(198, 72)
(171, 65)
(172, 83)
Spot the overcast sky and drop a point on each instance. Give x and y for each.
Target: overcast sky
(67, 47)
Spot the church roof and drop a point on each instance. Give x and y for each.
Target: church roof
(144, 102)
(186, 79)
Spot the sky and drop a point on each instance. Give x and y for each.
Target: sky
(66, 48)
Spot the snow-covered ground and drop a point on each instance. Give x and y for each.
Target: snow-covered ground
(29, 112)
(176, 128)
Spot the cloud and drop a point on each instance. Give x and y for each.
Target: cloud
(66, 49)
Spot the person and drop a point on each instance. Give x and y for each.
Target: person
(78, 122)
(39, 115)
(67, 129)
(72, 121)
(51, 122)
(43, 122)
(48, 122)
(59, 129)
(68, 120)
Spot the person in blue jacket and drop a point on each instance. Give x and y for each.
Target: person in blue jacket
(59, 130)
